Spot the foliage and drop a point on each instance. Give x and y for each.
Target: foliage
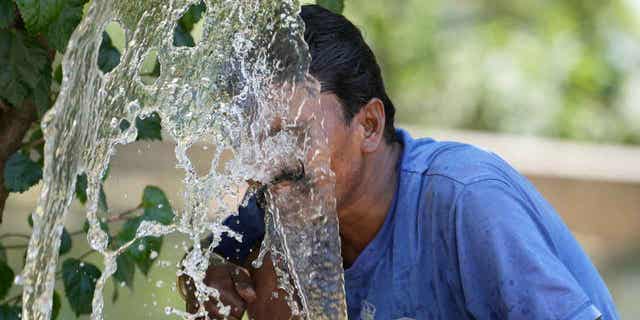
(336, 6)
(54, 19)
(9, 312)
(79, 280)
(21, 173)
(32, 33)
(182, 33)
(567, 69)
(27, 71)
(78, 275)
(6, 279)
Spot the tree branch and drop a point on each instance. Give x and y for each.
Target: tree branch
(13, 299)
(123, 215)
(35, 143)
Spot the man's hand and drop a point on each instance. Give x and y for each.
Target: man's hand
(234, 284)
(270, 301)
(256, 292)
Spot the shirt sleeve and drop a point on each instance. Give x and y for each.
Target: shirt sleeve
(509, 268)
(250, 224)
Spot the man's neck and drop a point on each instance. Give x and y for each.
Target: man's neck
(361, 221)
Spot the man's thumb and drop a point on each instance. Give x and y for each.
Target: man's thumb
(243, 284)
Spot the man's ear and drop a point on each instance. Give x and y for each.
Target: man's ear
(371, 119)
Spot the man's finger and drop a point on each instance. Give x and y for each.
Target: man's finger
(219, 277)
(235, 302)
(243, 284)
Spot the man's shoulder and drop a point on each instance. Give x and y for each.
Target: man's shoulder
(460, 162)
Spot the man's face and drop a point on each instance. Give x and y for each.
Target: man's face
(317, 121)
(343, 146)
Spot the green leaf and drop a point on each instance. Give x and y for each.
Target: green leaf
(182, 33)
(156, 205)
(8, 312)
(124, 125)
(182, 37)
(55, 18)
(57, 74)
(65, 242)
(142, 252)
(193, 15)
(60, 29)
(128, 231)
(108, 56)
(3, 253)
(6, 279)
(21, 173)
(79, 280)
(81, 193)
(103, 225)
(30, 220)
(156, 69)
(156, 208)
(81, 188)
(41, 94)
(55, 310)
(102, 200)
(38, 14)
(126, 270)
(41, 97)
(336, 6)
(7, 13)
(25, 71)
(149, 128)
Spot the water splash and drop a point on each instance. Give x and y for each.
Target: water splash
(244, 75)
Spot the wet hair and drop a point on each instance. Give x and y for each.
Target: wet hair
(344, 64)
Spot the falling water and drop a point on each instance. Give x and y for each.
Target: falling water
(248, 71)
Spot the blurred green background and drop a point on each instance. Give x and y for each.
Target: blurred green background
(566, 69)
(559, 68)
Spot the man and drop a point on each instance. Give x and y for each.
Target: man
(429, 230)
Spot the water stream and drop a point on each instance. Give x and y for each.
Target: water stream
(248, 71)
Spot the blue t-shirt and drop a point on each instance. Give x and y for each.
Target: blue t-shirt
(467, 237)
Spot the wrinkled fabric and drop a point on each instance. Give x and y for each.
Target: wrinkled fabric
(466, 237)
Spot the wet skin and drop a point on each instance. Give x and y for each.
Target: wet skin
(365, 182)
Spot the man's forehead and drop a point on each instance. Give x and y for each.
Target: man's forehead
(304, 110)
(292, 102)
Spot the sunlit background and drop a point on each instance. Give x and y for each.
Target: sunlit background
(552, 86)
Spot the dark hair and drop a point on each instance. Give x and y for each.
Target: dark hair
(344, 64)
